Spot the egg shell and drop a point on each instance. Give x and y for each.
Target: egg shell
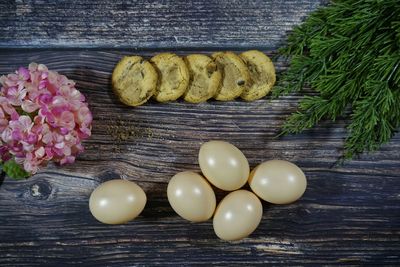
(224, 165)
(278, 181)
(237, 215)
(191, 196)
(117, 201)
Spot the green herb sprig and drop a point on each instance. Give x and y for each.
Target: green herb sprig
(349, 53)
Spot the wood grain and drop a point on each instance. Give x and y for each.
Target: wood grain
(349, 214)
(149, 24)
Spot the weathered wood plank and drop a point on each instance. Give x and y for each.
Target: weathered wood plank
(149, 24)
(349, 214)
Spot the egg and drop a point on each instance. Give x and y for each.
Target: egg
(224, 165)
(117, 201)
(191, 196)
(278, 181)
(237, 215)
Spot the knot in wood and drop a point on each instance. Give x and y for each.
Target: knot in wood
(40, 190)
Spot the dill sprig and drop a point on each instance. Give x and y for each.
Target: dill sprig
(349, 53)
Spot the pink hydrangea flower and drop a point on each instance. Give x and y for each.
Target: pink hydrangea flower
(43, 117)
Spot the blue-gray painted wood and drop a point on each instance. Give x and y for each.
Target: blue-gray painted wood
(349, 214)
(149, 24)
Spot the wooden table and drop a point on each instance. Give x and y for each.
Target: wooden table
(350, 214)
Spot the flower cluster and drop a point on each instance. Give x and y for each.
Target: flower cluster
(43, 117)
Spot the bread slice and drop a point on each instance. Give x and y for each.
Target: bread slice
(262, 73)
(236, 76)
(134, 80)
(173, 76)
(205, 78)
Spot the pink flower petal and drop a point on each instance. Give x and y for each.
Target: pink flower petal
(44, 75)
(25, 121)
(3, 79)
(27, 147)
(42, 67)
(16, 135)
(14, 115)
(40, 152)
(24, 73)
(6, 135)
(64, 131)
(59, 145)
(32, 138)
(61, 122)
(3, 124)
(67, 160)
(29, 106)
(42, 84)
(33, 66)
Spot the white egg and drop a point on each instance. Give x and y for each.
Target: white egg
(191, 196)
(237, 215)
(117, 201)
(224, 165)
(278, 181)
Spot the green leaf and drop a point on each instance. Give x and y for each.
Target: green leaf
(349, 53)
(14, 170)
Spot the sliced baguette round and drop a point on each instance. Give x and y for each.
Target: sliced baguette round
(205, 78)
(134, 80)
(262, 73)
(173, 76)
(236, 76)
